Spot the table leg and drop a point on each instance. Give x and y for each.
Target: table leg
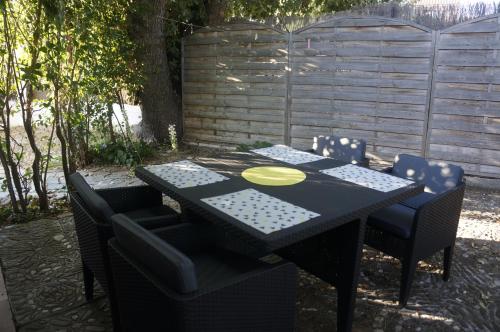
(349, 244)
(334, 257)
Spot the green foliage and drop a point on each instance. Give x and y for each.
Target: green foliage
(255, 145)
(263, 9)
(7, 215)
(121, 152)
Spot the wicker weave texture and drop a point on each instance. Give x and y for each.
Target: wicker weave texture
(263, 300)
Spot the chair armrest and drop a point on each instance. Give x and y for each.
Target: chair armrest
(436, 221)
(187, 237)
(124, 199)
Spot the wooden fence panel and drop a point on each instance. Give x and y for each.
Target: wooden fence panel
(400, 86)
(464, 126)
(364, 77)
(234, 85)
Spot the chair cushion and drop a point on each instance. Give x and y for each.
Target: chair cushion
(396, 219)
(437, 176)
(170, 265)
(417, 201)
(97, 206)
(341, 148)
(152, 217)
(218, 267)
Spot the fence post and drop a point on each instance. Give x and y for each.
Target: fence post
(288, 102)
(430, 95)
(180, 130)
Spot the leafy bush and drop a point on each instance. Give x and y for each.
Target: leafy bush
(121, 152)
(256, 145)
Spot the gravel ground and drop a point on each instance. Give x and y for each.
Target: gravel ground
(41, 265)
(469, 301)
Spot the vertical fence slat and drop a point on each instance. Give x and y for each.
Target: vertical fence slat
(428, 116)
(287, 136)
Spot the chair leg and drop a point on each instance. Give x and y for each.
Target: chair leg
(448, 255)
(88, 281)
(115, 315)
(407, 273)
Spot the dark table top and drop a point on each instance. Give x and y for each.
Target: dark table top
(337, 201)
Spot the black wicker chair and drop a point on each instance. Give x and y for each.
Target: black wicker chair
(422, 225)
(92, 210)
(346, 149)
(177, 279)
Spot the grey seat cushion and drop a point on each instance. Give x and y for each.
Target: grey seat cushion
(342, 148)
(169, 264)
(437, 176)
(396, 219)
(218, 267)
(153, 217)
(98, 207)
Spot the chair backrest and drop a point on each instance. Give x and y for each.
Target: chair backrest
(170, 265)
(437, 176)
(342, 148)
(97, 206)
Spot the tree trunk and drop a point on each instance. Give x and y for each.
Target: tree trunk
(159, 102)
(216, 11)
(27, 111)
(110, 123)
(8, 179)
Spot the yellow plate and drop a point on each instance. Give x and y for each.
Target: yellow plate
(273, 175)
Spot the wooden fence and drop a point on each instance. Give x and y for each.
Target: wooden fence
(400, 86)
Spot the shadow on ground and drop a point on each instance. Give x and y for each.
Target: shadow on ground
(42, 269)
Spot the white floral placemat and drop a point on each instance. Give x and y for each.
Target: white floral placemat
(288, 155)
(263, 212)
(367, 178)
(185, 174)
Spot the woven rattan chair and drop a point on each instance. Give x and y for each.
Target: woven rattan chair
(92, 210)
(346, 149)
(177, 279)
(423, 225)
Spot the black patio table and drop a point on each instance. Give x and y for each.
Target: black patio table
(328, 246)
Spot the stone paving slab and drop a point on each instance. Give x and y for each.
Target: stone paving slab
(94, 316)
(44, 282)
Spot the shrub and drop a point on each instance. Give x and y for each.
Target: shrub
(256, 145)
(121, 152)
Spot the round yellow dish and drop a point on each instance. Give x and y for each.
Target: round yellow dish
(273, 175)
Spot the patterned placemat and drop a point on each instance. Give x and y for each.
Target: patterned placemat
(263, 212)
(288, 155)
(367, 177)
(185, 174)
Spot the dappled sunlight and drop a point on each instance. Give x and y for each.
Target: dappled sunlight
(341, 148)
(233, 79)
(486, 229)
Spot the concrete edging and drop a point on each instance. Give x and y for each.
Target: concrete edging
(6, 322)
